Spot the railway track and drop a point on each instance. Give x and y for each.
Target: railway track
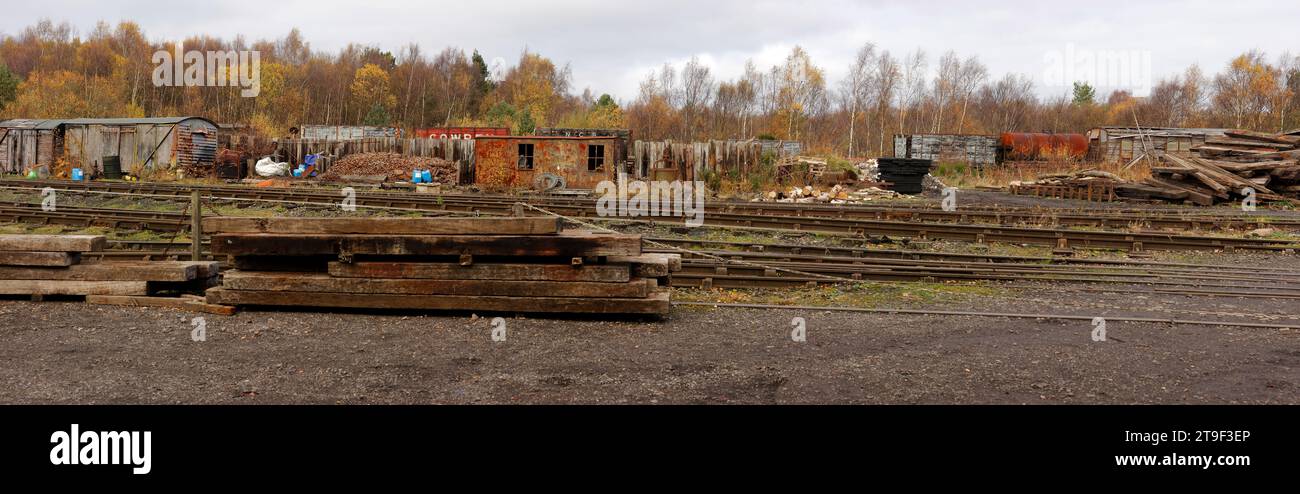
(1169, 218)
(1052, 237)
(767, 266)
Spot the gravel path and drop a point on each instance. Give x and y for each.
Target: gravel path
(66, 352)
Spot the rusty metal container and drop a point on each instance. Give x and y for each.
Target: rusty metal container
(1030, 146)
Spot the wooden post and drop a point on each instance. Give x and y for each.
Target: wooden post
(196, 227)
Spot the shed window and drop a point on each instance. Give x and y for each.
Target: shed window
(525, 156)
(595, 157)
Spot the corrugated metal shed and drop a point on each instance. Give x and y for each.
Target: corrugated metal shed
(157, 142)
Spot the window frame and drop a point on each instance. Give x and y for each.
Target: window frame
(526, 157)
(597, 160)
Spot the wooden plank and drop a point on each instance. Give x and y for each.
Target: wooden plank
(650, 265)
(482, 271)
(52, 259)
(1225, 177)
(314, 282)
(1248, 145)
(72, 287)
(393, 226)
(297, 264)
(568, 244)
(107, 271)
(1196, 195)
(52, 243)
(182, 303)
(204, 269)
(1249, 167)
(1262, 136)
(656, 303)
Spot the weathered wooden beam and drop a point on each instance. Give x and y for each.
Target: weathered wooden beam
(455, 271)
(108, 271)
(656, 303)
(650, 265)
(1262, 136)
(70, 287)
(52, 259)
(391, 226)
(182, 303)
(52, 243)
(568, 244)
(297, 264)
(313, 282)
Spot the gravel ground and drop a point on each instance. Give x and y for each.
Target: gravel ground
(67, 352)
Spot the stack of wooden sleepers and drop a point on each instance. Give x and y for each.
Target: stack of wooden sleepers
(50, 265)
(1225, 166)
(521, 265)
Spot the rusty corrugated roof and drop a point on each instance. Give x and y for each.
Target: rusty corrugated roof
(50, 123)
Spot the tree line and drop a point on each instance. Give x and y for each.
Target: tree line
(49, 70)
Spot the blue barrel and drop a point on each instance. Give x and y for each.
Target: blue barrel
(426, 176)
(77, 175)
(416, 176)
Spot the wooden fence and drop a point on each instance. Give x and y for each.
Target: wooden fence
(667, 160)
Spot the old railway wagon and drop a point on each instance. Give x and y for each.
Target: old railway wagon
(1125, 144)
(524, 161)
(161, 142)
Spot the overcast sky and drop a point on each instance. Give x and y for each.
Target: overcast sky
(612, 44)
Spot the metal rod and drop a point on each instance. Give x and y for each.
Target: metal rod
(925, 312)
(196, 227)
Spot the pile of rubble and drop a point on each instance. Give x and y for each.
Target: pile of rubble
(837, 194)
(392, 166)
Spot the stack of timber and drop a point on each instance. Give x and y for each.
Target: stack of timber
(1268, 164)
(1087, 185)
(523, 265)
(50, 265)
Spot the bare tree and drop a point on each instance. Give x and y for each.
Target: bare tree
(945, 86)
(969, 77)
(888, 74)
(913, 85)
(696, 89)
(855, 89)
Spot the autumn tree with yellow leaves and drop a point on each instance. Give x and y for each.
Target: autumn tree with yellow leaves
(50, 70)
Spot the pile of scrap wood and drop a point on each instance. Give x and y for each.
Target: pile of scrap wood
(1088, 185)
(525, 265)
(50, 265)
(392, 166)
(1225, 168)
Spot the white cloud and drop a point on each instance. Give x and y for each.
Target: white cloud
(612, 45)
